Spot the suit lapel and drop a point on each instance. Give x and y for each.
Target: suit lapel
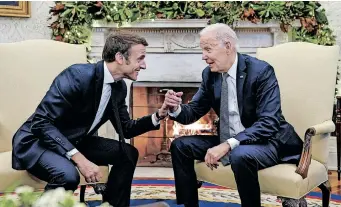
(99, 73)
(217, 88)
(241, 76)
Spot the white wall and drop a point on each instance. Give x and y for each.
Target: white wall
(14, 29)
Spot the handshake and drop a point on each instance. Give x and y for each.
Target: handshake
(171, 103)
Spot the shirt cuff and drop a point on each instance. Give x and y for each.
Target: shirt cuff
(154, 120)
(233, 143)
(175, 113)
(69, 154)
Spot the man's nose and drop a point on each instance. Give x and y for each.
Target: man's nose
(204, 57)
(143, 66)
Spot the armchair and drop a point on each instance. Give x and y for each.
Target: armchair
(26, 71)
(306, 74)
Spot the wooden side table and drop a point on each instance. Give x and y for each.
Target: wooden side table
(338, 133)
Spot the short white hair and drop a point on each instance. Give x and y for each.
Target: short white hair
(223, 33)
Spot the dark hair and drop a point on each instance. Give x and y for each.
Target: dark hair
(122, 43)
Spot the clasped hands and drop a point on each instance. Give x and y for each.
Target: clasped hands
(171, 103)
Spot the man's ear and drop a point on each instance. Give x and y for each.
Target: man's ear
(119, 58)
(228, 47)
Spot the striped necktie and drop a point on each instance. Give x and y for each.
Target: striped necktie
(224, 117)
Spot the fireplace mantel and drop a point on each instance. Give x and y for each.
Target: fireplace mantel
(174, 54)
(181, 36)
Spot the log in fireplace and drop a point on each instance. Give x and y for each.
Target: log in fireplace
(146, 98)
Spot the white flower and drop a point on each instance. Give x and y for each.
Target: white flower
(24, 189)
(13, 198)
(79, 205)
(105, 205)
(56, 198)
(52, 198)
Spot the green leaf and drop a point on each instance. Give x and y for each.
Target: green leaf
(208, 5)
(123, 16)
(128, 13)
(66, 12)
(82, 7)
(108, 17)
(169, 14)
(321, 17)
(175, 6)
(116, 17)
(71, 5)
(200, 12)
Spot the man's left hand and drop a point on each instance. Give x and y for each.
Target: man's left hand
(163, 111)
(215, 153)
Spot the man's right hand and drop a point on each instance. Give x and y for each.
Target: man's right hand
(173, 100)
(89, 170)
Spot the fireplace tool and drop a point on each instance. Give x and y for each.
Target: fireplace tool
(164, 156)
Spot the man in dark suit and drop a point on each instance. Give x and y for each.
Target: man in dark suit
(253, 133)
(60, 135)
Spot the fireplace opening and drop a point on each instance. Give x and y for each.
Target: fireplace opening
(148, 97)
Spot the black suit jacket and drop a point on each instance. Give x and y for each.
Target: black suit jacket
(66, 113)
(259, 106)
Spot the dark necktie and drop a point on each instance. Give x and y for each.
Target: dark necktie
(114, 92)
(224, 117)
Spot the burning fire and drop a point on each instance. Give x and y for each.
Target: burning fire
(197, 128)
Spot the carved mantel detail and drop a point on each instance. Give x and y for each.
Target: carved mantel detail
(182, 36)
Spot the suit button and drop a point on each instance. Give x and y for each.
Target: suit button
(76, 142)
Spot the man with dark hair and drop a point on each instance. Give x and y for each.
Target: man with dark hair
(60, 135)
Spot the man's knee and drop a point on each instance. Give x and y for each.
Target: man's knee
(240, 157)
(134, 153)
(69, 179)
(178, 144)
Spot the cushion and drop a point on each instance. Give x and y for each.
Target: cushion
(10, 177)
(279, 180)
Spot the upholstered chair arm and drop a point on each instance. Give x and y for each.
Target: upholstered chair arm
(319, 129)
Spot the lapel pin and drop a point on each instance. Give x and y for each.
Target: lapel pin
(241, 76)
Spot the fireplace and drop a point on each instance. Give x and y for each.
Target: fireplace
(173, 61)
(146, 98)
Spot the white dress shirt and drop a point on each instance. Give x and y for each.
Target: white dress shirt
(105, 97)
(235, 123)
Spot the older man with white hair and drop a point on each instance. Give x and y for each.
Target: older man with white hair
(253, 134)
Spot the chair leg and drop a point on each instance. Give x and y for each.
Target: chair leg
(199, 183)
(290, 202)
(303, 202)
(82, 194)
(99, 188)
(326, 189)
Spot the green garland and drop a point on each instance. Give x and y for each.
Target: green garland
(73, 20)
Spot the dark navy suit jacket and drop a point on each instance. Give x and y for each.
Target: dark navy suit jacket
(259, 105)
(66, 113)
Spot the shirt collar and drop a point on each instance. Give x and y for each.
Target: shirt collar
(233, 70)
(107, 76)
